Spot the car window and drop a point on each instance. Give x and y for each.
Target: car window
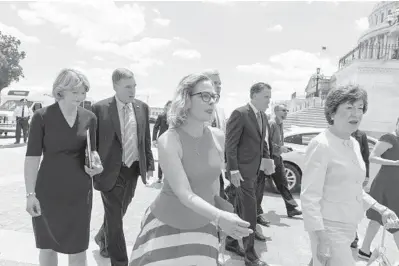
(371, 145)
(294, 139)
(306, 138)
(300, 139)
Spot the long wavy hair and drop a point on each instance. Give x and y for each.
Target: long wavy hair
(178, 111)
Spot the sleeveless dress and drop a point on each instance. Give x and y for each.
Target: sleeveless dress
(385, 185)
(171, 233)
(63, 188)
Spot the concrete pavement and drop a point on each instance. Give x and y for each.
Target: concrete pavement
(288, 245)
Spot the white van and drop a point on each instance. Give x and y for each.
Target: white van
(10, 98)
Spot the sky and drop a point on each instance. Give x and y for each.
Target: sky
(279, 43)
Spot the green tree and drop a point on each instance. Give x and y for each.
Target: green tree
(10, 58)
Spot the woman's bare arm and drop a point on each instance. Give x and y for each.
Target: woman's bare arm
(379, 149)
(30, 172)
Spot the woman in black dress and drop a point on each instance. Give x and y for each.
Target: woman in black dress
(59, 189)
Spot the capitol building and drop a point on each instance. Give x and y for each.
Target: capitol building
(374, 65)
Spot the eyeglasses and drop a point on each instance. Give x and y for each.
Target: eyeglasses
(207, 97)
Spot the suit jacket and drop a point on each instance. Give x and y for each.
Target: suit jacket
(332, 181)
(109, 141)
(245, 143)
(221, 118)
(361, 137)
(161, 125)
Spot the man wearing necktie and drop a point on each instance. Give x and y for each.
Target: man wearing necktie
(246, 149)
(124, 146)
(218, 118)
(22, 114)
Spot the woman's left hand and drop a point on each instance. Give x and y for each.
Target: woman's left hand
(97, 167)
(390, 219)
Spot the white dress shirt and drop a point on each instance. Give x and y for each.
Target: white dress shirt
(18, 111)
(121, 113)
(332, 182)
(256, 111)
(220, 117)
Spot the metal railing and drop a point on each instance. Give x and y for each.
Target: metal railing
(370, 52)
(307, 103)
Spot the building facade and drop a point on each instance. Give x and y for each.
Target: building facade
(320, 84)
(373, 64)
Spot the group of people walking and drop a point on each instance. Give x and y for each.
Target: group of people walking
(198, 151)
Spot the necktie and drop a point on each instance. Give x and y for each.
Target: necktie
(23, 111)
(214, 123)
(259, 119)
(129, 146)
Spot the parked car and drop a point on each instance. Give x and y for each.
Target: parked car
(298, 138)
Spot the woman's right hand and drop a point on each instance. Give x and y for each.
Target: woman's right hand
(323, 247)
(233, 225)
(33, 206)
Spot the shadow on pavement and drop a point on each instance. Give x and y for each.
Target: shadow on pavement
(12, 145)
(275, 219)
(100, 261)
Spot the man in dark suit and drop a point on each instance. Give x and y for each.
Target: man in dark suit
(361, 137)
(260, 186)
(161, 125)
(124, 146)
(246, 151)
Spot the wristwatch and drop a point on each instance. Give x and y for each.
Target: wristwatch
(30, 194)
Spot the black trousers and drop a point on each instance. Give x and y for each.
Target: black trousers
(159, 172)
(282, 184)
(22, 124)
(260, 188)
(116, 202)
(222, 193)
(246, 208)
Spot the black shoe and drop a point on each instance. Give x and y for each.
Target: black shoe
(262, 221)
(293, 213)
(363, 255)
(354, 243)
(101, 244)
(257, 262)
(259, 236)
(236, 249)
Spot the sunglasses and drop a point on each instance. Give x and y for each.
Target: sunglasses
(207, 96)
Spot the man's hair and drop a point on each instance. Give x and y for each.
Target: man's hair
(277, 107)
(258, 87)
(121, 73)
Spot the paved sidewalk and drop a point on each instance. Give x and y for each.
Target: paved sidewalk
(288, 245)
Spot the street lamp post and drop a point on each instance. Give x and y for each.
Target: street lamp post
(317, 82)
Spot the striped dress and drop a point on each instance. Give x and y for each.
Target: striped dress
(172, 234)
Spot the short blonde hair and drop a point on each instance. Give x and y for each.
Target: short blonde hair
(69, 79)
(178, 111)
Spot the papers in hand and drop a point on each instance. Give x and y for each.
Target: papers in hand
(89, 158)
(267, 164)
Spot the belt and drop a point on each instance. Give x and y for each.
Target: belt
(124, 165)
